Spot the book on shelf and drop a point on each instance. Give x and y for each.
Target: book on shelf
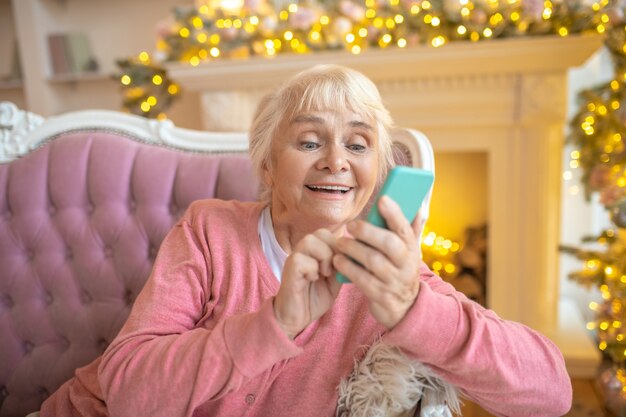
(70, 53)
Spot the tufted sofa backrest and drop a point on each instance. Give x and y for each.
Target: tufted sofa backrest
(81, 220)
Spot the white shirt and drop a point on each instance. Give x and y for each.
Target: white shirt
(274, 254)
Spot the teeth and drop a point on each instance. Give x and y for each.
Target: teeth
(329, 187)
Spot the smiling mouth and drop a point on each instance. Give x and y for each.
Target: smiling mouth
(330, 189)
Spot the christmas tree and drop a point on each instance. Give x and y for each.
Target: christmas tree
(598, 131)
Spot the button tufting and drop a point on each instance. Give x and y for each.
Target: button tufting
(43, 392)
(52, 210)
(8, 215)
(30, 255)
(173, 208)
(152, 252)
(132, 205)
(3, 392)
(8, 300)
(103, 344)
(108, 252)
(64, 342)
(128, 297)
(27, 347)
(69, 253)
(90, 208)
(48, 298)
(85, 297)
(249, 398)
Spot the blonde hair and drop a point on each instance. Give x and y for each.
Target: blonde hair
(322, 87)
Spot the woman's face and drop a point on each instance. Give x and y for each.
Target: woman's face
(324, 168)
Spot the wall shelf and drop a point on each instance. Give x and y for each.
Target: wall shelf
(11, 84)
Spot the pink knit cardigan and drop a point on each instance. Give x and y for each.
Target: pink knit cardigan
(202, 340)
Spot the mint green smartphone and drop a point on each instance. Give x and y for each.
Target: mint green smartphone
(408, 187)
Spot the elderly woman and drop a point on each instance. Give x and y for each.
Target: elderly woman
(242, 314)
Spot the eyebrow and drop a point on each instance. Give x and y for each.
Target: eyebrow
(309, 118)
(363, 125)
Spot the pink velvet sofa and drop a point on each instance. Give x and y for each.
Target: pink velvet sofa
(85, 200)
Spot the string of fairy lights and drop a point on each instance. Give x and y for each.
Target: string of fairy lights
(439, 252)
(238, 29)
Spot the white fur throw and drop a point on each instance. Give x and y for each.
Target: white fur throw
(386, 383)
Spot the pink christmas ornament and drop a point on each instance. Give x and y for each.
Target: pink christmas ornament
(342, 26)
(478, 17)
(303, 18)
(613, 390)
(413, 39)
(618, 213)
(164, 27)
(599, 177)
(373, 33)
(229, 34)
(616, 15)
(352, 10)
(254, 5)
(268, 25)
(611, 195)
(452, 7)
(533, 9)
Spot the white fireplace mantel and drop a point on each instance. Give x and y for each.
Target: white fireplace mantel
(507, 98)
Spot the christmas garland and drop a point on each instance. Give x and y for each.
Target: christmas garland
(236, 29)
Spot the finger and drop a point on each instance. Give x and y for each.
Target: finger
(366, 282)
(374, 290)
(327, 237)
(370, 258)
(418, 226)
(385, 241)
(396, 222)
(315, 246)
(334, 285)
(305, 266)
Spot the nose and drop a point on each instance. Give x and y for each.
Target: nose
(334, 159)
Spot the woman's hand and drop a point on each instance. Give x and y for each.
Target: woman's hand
(390, 259)
(308, 286)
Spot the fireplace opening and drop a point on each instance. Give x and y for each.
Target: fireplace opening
(455, 242)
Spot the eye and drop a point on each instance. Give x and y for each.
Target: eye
(358, 143)
(355, 147)
(309, 146)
